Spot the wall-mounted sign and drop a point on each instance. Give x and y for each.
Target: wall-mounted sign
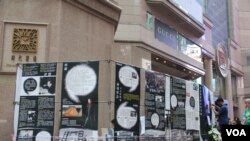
(23, 43)
(25, 40)
(165, 34)
(222, 60)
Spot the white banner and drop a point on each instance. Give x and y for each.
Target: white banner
(17, 96)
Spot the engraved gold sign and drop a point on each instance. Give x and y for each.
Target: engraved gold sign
(25, 40)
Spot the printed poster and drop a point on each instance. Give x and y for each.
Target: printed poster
(212, 102)
(127, 101)
(192, 106)
(79, 114)
(167, 102)
(177, 101)
(204, 112)
(192, 111)
(37, 102)
(155, 104)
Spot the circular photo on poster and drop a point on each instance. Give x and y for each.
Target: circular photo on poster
(192, 102)
(80, 80)
(43, 136)
(155, 120)
(29, 85)
(129, 77)
(174, 101)
(126, 116)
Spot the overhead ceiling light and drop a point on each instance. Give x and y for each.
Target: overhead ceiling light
(192, 77)
(165, 61)
(156, 58)
(195, 74)
(189, 72)
(184, 69)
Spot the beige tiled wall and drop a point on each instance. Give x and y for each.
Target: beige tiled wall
(7, 93)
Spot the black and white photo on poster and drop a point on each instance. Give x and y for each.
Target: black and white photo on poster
(177, 101)
(127, 99)
(79, 97)
(47, 85)
(155, 104)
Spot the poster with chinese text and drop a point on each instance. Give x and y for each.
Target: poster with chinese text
(155, 104)
(127, 100)
(79, 109)
(37, 102)
(177, 101)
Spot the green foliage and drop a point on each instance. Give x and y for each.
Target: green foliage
(214, 134)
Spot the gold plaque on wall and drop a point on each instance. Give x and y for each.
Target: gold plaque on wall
(25, 40)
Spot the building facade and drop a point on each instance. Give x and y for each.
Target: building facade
(243, 36)
(225, 18)
(50, 31)
(194, 40)
(215, 24)
(166, 35)
(229, 29)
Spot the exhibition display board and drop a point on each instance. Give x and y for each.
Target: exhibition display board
(70, 92)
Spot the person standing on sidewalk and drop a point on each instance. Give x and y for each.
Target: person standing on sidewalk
(222, 112)
(246, 114)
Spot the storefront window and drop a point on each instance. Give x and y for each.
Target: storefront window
(191, 7)
(198, 80)
(205, 6)
(218, 83)
(189, 48)
(150, 21)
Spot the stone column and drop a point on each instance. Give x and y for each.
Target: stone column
(241, 106)
(208, 64)
(240, 96)
(228, 94)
